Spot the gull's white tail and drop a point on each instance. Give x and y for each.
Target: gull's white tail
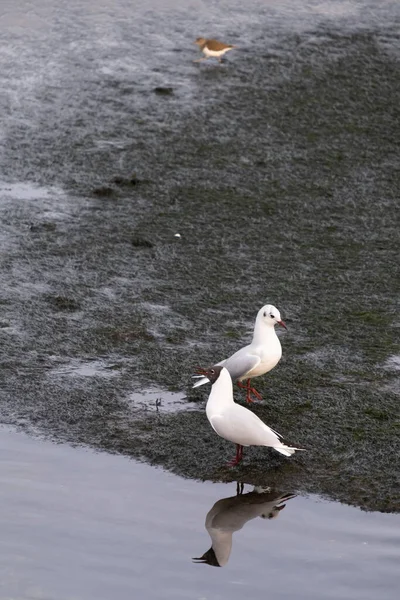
(287, 450)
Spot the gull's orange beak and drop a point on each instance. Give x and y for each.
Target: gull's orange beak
(283, 324)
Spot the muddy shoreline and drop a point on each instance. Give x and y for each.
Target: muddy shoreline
(278, 169)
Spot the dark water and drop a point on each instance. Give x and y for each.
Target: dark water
(81, 525)
(279, 171)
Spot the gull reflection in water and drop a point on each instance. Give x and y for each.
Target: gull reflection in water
(230, 514)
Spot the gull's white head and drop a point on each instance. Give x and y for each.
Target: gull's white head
(270, 315)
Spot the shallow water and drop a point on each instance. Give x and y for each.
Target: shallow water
(84, 525)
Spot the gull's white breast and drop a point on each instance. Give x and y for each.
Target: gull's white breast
(270, 355)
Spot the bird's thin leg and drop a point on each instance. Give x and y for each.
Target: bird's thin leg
(239, 488)
(248, 397)
(238, 457)
(252, 390)
(255, 393)
(246, 387)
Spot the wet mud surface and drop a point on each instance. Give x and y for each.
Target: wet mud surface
(279, 171)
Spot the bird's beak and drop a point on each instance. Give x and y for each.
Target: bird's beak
(287, 497)
(282, 324)
(201, 372)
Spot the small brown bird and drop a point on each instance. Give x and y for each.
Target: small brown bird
(212, 48)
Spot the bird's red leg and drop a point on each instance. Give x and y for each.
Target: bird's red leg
(250, 390)
(255, 393)
(238, 457)
(246, 387)
(248, 397)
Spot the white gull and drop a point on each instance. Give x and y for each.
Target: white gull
(234, 422)
(259, 357)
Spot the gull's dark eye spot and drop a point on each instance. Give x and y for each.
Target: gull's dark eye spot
(212, 371)
(272, 316)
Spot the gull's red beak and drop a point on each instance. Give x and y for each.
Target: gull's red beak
(283, 324)
(202, 372)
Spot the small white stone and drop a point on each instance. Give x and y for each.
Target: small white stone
(177, 235)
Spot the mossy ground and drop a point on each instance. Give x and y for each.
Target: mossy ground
(282, 179)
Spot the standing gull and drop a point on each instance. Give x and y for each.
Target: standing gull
(260, 356)
(234, 422)
(212, 48)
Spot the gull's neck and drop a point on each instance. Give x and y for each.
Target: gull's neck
(221, 544)
(221, 393)
(262, 333)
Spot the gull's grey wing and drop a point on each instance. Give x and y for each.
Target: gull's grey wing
(241, 363)
(238, 365)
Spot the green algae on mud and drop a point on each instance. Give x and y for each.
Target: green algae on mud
(281, 181)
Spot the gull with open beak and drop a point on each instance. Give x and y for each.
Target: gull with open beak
(234, 422)
(259, 357)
